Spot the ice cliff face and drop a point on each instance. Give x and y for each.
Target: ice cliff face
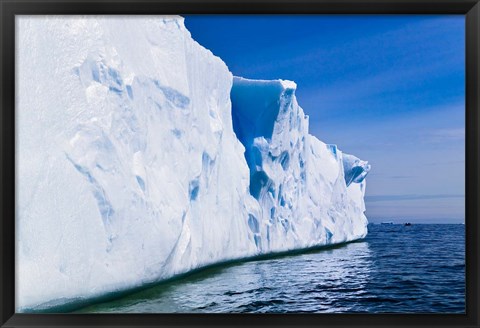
(130, 169)
(299, 182)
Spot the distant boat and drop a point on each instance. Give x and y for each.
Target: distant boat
(408, 224)
(388, 222)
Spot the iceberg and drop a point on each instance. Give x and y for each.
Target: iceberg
(140, 157)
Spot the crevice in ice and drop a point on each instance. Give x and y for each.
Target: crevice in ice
(253, 223)
(258, 240)
(93, 70)
(193, 188)
(172, 95)
(140, 182)
(333, 150)
(130, 91)
(207, 164)
(285, 223)
(329, 235)
(258, 181)
(284, 160)
(104, 206)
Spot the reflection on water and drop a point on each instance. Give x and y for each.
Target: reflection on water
(395, 269)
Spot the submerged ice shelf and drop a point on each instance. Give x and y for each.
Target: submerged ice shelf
(141, 157)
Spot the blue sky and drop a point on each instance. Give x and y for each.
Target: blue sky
(388, 89)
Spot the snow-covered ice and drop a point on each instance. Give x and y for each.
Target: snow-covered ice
(139, 156)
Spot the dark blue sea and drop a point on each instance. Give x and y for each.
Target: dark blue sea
(395, 269)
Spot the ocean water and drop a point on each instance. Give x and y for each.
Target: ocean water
(395, 269)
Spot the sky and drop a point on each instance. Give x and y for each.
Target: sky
(389, 89)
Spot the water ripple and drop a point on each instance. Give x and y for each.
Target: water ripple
(396, 269)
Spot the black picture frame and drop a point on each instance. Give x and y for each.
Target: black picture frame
(9, 8)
